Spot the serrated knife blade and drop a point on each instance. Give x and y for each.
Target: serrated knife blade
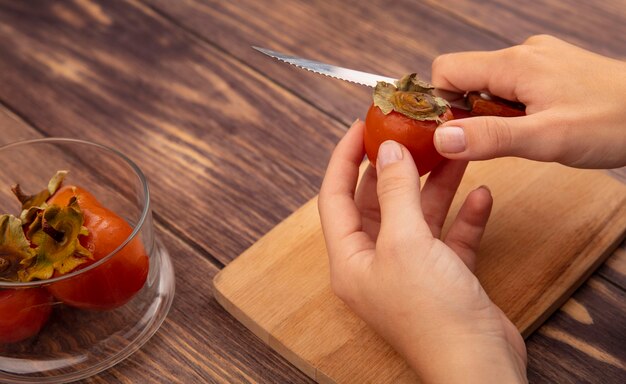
(455, 99)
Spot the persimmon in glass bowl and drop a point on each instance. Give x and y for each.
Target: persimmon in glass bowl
(84, 281)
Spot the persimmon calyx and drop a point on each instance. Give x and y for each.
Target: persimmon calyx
(55, 234)
(32, 203)
(15, 249)
(411, 97)
(45, 239)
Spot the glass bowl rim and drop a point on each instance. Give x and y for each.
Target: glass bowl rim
(136, 228)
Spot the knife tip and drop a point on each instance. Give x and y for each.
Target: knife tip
(262, 50)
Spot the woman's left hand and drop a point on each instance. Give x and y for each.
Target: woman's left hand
(391, 265)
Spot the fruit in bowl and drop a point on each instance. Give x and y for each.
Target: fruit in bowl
(84, 278)
(62, 230)
(24, 313)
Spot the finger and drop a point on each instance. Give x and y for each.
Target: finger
(477, 71)
(487, 137)
(338, 212)
(399, 194)
(367, 203)
(467, 229)
(439, 191)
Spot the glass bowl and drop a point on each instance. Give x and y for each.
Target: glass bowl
(75, 342)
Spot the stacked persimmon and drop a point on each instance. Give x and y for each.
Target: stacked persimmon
(61, 230)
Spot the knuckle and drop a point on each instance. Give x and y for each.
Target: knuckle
(539, 39)
(392, 186)
(439, 62)
(438, 69)
(520, 53)
(496, 137)
(556, 142)
(463, 243)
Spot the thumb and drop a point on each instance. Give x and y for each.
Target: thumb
(398, 189)
(488, 137)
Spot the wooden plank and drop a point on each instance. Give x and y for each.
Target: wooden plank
(595, 25)
(614, 269)
(319, 19)
(199, 341)
(546, 235)
(99, 17)
(182, 357)
(13, 129)
(387, 37)
(584, 341)
(228, 153)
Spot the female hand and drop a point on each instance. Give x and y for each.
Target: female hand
(390, 264)
(574, 98)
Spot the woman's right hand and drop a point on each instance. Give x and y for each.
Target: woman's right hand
(576, 112)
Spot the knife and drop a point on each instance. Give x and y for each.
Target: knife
(477, 103)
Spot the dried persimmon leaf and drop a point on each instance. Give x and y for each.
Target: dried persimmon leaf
(412, 97)
(15, 249)
(57, 242)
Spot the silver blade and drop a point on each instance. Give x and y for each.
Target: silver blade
(363, 78)
(358, 77)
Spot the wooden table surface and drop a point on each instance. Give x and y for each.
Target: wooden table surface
(233, 142)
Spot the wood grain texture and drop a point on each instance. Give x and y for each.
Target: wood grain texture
(584, 341)
(596, 25)
(547, 233)
(13, 129)
(614, 269)
(228, 152)
(116, 72)
(387, 37)
(198, 342)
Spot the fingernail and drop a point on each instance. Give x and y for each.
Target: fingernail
(450, 139)
(388, 153)
(486, 188)
(354, 122)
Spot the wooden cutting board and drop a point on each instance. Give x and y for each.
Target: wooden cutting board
(551, 226)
